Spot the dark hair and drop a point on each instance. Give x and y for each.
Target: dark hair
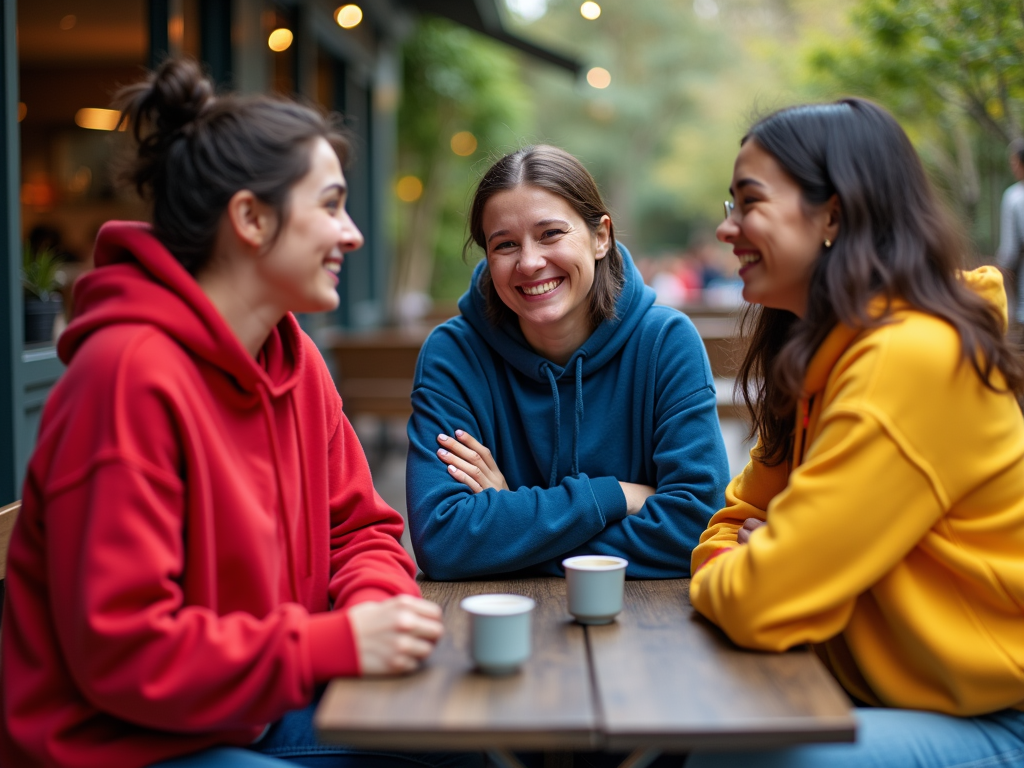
(895, 240)
(1016, 148)
(197, 149)
(562, 174)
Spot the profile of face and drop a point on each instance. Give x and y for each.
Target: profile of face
(302, 264)
(774, 232)
(542, 257)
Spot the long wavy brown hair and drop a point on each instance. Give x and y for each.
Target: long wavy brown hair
(896, 240)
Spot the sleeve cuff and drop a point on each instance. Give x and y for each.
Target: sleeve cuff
(332, 647)
(366, 595)
(611, 501)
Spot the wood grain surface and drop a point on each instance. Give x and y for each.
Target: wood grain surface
(448, 705)
(665, 677)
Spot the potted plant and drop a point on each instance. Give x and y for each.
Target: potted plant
(41, 279)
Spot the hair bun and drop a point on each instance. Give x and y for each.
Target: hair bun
(159, 110)
(178, 94)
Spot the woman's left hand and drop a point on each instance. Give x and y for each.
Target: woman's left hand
(470, 462)
(750, 525)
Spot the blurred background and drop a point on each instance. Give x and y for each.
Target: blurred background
(652, 95)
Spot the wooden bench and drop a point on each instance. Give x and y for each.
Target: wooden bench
(374, 370)
(8, 515)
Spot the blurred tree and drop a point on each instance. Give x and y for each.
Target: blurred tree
(953, 72)
(662, 58)
(454, 82)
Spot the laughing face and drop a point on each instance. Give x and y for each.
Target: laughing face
(542, 257)
(776, 235)
(301, 268)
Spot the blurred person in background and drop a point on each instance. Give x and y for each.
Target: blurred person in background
(1011, 232)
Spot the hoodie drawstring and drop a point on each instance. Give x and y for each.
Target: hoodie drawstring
(275, 449)
(553, 480)
(577, 421)
(578, 418)
(305, 512)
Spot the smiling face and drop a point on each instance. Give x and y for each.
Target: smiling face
(542, 257)
(301, 267)
(774, 233)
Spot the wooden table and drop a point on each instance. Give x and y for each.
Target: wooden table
(659, 678)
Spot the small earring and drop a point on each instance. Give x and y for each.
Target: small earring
(828, 243)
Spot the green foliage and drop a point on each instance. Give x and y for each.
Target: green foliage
(952, 71)
(453, 80)
(648, 138)
(40, 273)
(933, 54)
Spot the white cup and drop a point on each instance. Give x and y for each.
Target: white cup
(499, 631)
(594, 584)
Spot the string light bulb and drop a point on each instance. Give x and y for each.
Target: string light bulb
(348, 16)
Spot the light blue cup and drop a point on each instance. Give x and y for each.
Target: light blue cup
(499, 631)
(594, 585)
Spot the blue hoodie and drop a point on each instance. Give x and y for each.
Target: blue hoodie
(635, 403)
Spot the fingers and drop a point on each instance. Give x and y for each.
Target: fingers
(466, 474)
(476, 447)
(464, 452)
(464, 464)
(750, 525)
(395, 635)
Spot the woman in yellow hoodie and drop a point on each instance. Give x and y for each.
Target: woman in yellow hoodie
(881, 517)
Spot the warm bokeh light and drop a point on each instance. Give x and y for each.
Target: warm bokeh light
(37, 193)
(98, 119)
(80, 180)
(348, 16)
(22, 110)
(590, 10)
(409, 189)
(280, 39)
(68, 22)
(463, 143)
(599, 77)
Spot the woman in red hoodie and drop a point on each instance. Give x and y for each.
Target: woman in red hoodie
(200, 546)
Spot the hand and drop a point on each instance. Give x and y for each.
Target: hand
(750, 525)
(470, 463)
(636, 495)
(394, 635)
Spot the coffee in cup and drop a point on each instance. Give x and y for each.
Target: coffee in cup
(499, 635)
(594, 584)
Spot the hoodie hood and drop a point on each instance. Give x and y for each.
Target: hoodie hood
(603, 345)
(138, 281)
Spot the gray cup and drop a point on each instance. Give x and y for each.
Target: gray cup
(499, 634)
(595, 584)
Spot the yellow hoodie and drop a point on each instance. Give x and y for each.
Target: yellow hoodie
(895, 538)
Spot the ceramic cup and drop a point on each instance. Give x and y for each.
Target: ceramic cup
(499, 635)
(594, 584)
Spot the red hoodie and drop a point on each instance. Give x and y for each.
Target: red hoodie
(190, 517)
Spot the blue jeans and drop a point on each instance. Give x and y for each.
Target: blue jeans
(898, 738)
(292, 741)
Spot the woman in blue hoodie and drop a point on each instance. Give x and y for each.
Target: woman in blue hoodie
(561, 413)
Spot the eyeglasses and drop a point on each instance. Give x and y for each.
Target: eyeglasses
(730, 206)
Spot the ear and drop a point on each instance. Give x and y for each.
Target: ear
(603, 235)
(832, 217)
(252, 221)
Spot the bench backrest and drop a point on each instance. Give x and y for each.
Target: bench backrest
(8, 515)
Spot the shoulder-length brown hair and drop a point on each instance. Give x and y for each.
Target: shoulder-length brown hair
(895, 240)
(562, 174)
